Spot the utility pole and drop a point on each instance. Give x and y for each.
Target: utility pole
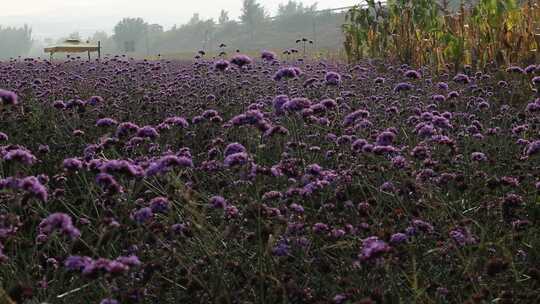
(146, 38)
(314, 31)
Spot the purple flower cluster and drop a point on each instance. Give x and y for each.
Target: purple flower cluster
(373, 248)
(241, 60)
(332, 78)
(60, 222)
(92, 267)
(185, 169)
(31, 185)
(8, 97)
(287, 73)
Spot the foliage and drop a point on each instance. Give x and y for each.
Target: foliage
(254, 31)
(130, 31)
(253, 16)
(502, 32)
(15, 41)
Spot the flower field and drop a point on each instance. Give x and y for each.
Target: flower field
(268, 180)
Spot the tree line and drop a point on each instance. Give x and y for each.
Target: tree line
(254, 30)
(15, 41)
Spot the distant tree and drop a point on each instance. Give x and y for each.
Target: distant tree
(253, 16)
(253, 31)
(75, 35)
(223, 17)
(15, 41)
(99, 36)
(48, 41)
(292, 8)
(296, 19)
(108, 45)
(195, 19)
(129, 33)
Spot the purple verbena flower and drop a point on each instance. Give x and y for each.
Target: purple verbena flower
(20, 155)
(372, 248)
(159, 205)
(8, 97)
(332, 78)
(142, 215)
(241, 60)
(106, 122)
(234, 148)
(268, 55)
(60, 222)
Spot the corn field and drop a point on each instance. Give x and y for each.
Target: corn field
(429, 32)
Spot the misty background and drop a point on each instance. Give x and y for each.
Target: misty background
(171, 27)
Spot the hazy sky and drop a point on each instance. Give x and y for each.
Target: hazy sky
(56, 18)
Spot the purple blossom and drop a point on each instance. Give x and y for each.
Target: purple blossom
(320, 227)
(106, 122)
(279, 102)
(234, 148)
(379, 80)
(268, 55)
(122, 167)
(329, 103)
(72, 164)
(404, 86)
(515, 70)
(142, 215)
(412, 74)
(251, 117)
(60, 222)
(282, 248)
(125, 128)
(287, 73)
(236, 159)
(438, 98)
(420, 226)
(159, 205)
(148, 132)
(241, 60)
(33, 186)
(372, 248)
(131, 260)
(218, 202)
(462, 78)
(533, 148)
(167, 163)
(77, 263)
(221, 65)
(332, 78)
(531, 69)
(478, 157)
(351, 118)
(453, 94)
(443, 86)
(108, 183)
(398, 238)
(385, 138)
(22, 156)
(462, 236)
(94, 100)
(8, 97)
(296, 104)
(177, 121)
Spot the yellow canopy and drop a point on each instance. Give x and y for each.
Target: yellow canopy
(72, 46)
